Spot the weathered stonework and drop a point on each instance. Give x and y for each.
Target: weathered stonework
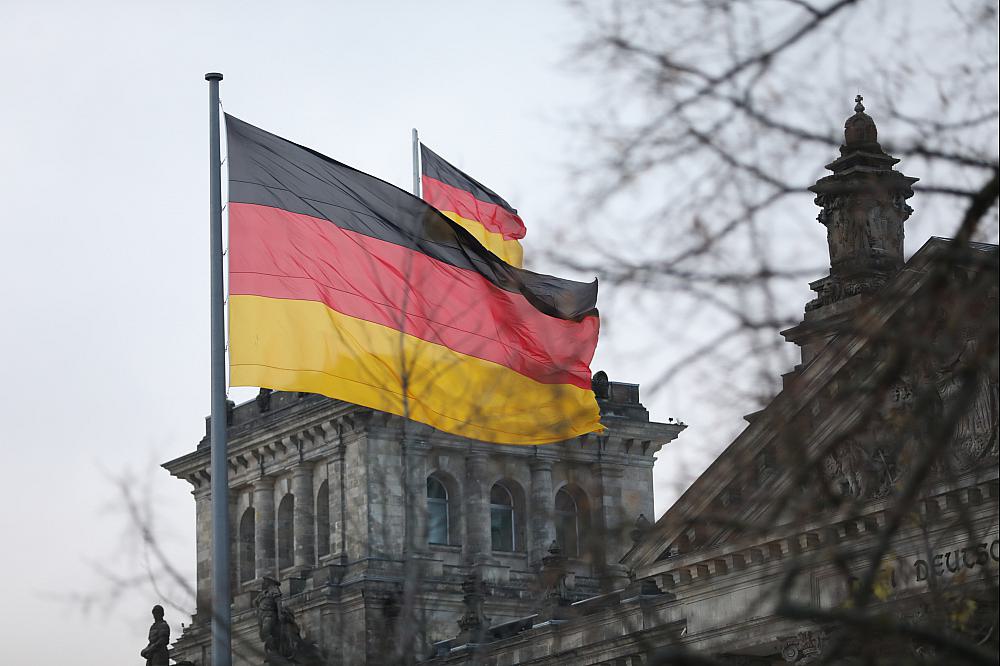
(331, 500)
(360, 571)
(893, 373)
(863, 207)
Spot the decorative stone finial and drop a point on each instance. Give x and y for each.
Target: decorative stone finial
(860, 130)
(863, 209)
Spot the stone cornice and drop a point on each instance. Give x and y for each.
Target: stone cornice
(252, 453)
(838, 529)
(313, 432)
(279, 430)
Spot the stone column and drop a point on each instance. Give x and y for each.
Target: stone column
(416, 496)
(611, 510)
(263, 531)
(542, 510)
(477, 508)
(335, 477)
(303, 520)
(613, 524)
(203, 566)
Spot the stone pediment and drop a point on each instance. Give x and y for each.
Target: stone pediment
(849, 419)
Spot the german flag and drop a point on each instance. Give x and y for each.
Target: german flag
(344, 285)
(473, 205)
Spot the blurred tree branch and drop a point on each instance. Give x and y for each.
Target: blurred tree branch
(716, 115)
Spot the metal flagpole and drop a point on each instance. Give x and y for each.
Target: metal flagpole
(221, 619)
(416, 163)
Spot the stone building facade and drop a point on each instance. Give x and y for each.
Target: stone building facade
(759, 562)
(869, 481)
(345, 506)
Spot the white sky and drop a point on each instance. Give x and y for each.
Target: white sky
(104, 251)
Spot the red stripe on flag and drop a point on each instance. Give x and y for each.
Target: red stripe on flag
(279, 254)
(493, 217)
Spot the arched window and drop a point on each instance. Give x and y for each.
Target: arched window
(567, 524)
(323, 520)
(245, 547)
(502, 518)
(285, 531)
(437, 512)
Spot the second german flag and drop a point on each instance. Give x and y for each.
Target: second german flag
(480, 210)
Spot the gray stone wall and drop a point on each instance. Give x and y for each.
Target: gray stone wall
(375, 467)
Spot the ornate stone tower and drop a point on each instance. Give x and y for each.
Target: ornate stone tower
(863, 209)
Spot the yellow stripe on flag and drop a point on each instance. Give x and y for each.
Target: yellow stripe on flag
(508, 250)
(297, 345)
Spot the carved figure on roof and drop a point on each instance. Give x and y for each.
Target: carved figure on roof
(877, 228)
(474, 623)
(976, 429)
(156, 652)
(869, 463)
(860, 472)
(283, 642)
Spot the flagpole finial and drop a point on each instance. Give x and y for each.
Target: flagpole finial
(213, 76)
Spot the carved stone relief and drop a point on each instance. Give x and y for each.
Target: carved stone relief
(869, 463)
(975, 434)
(804, 648)
(861, 226)
(856, 471)
(474, 622)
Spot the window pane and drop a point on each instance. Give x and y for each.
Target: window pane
(246, 558)
(502, 528)
(566, 535)
(567, 524)
(286, 513)
(500, 495)
(564, 502)
(437, 512)
(437, 525)
(323, 520)
(437, 521)
(436, 489)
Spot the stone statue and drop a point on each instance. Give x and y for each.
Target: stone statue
(283, 642)
(975, 435)
(601, 385)
(156, 652)
(474, 623)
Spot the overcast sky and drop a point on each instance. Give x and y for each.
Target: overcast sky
(105, 243)
(104, 252)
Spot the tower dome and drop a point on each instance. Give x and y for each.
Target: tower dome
(860, 128)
